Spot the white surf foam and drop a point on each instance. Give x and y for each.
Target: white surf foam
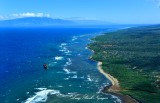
(60, 86)
(67, 52)
(41, 88)
(89, 78)
(66, 78)
(69, 62)
(42, 95)
(63, 44)
(117, 99)
(75, 76)
(67, 71)
(74, 38)
(100, 90)
(17, 99)
(58, 58)
(64, 49)
(72, 93)
(82, 77)
(102, 87)
(86, 47)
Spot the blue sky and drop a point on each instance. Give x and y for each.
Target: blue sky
(116, 11)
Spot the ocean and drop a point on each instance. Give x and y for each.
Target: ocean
(71, 76)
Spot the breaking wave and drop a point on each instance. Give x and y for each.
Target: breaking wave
(64, 49)
(89, 78)
(58, 58)
(41, 95)
(69, 62)
(67, 71)
(74, 38)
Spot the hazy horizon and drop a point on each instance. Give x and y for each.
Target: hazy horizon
(121, 12)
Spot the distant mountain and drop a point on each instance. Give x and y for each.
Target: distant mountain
(45, 21)
(35, 21)
(92, 22)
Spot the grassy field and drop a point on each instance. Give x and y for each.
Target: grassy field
(133, 57)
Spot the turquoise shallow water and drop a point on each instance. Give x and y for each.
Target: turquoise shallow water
(71, 76)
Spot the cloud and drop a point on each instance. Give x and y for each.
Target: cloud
(29, 14)
(22, 15)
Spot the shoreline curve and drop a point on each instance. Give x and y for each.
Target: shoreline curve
(114, 88)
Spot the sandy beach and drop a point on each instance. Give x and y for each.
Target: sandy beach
(115, 84)
(115, 87)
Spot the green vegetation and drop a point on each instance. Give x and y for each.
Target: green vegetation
(133, 57)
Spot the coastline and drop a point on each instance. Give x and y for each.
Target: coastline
(115, 84)
(126, 60)
(114, 88)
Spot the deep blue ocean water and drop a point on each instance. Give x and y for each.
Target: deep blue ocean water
(71, 76)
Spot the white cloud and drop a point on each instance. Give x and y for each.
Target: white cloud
(22, 15)
(29, 14)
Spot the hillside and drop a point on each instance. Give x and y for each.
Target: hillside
(35, 21)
